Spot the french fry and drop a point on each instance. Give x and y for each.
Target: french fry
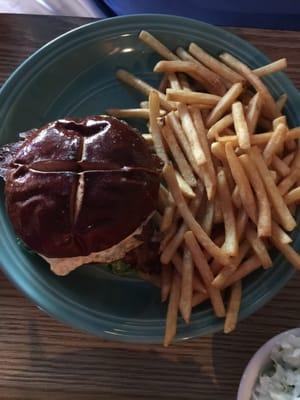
(258, 247)
(285, 217)
(148, 138)
(198, 286)
(293, 196)
(174, 82)
(230, 244)
(206, 274)
(156, 45)
(175, 242)
(279, 120)
(154, 104)
(186, 214)
(218, 216)
(264, 220)
(236, 198)
(185, 188)
(224, 104)
(199, 298)
(240, 125)
(182, 164)
(166, 282)
(164, 84)
(208, 170)
(289, 181)
(185, 304)
(218, 150)
(280, 166)
(289, 158)
(269, 105)
(189, 97)
(208, 217)
(248, 266)
(191, 69)
(131, 112)
(275, 143)
(142, 87)
(144, 104)
(210, 75)
(268, 69)
(280, 233)
(184, 83)
(223, 123)
(172, 313)
(214, 64)
(241, 223)
(240, 177)
(221, 278)
(167, 218)
(192, 135)
(233, 307)
(290, 254)
(167, 236)
(253, 112)
(281, 101)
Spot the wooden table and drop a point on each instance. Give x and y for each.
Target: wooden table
(43, 359)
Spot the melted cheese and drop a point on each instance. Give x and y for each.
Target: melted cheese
(63, 266)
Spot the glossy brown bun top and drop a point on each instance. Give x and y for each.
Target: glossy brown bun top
(77, 186)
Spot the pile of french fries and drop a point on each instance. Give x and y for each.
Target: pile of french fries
(231, 176)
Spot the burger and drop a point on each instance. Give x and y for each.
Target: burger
(83, 190)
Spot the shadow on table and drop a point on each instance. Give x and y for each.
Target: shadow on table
(147, 372)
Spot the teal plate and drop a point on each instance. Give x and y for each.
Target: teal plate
(75, 75)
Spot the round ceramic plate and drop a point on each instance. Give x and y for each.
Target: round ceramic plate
(75, 75)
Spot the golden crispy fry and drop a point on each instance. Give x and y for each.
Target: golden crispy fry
(175, 242)
(192, 135)
(156, 45)
(241, 223)
(208, 170)
(131, 112)
(268, 69)
(224, 104)
(148, 138)
(191, 69)
(185, 188)
(173, 81)
(185, 304)
(258, 247)
(186, 214)
(290, 254)
(280, 233)
(218, 150)
(240, 125)
(234, 304)
(264, 221)
(210, 75)
(279, 120)
(168, 236)
(199, 298)
(205, 272)
(142, 86)
(167, 218)
(248, 266)
(214, 64)
(289, 158)
(285, 217)
(166, 282)
(154, 105)
(253, 112)
(227, 271)
(281, 101)
(293, 196)
(236, 198)
(182, 164)
(240, 177)
(208, 217)
(219, 126)
(280, 166)
(269, 105)
(230, 244)
(275, 143)
(172, 313)
(189, 97)
(289, 181)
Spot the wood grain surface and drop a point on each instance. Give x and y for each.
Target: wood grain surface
(43, 359)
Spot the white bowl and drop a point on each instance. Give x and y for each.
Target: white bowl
(258, 363)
